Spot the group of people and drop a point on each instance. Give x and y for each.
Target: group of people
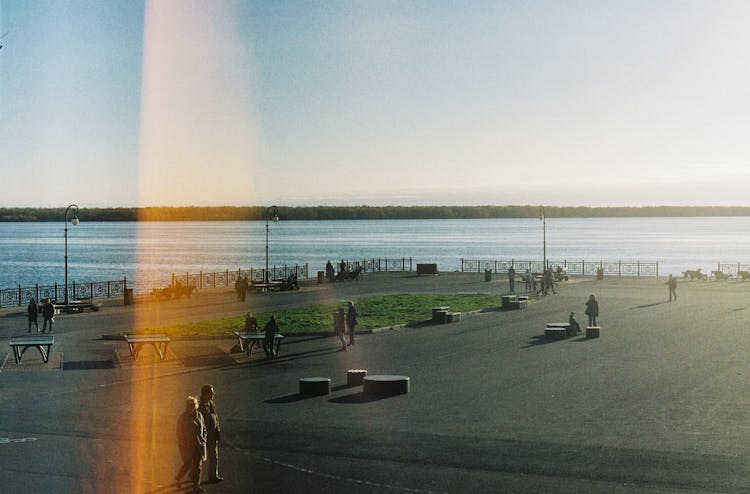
(271, 328)
(241, 286)
(345, 323)
(198, 437)
(547, 282)
(48, 314)
(592, 311)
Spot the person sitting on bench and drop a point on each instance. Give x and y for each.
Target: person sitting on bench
(575, 328)
(271, 328)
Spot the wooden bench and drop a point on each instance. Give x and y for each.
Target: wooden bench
(273, 286)
(247, 341)
(20, 344)
(160, 342)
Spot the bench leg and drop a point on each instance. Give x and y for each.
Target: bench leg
(17, 354)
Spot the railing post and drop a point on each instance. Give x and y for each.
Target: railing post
(19, 295)
(462, 264)
(657, 269)
(172, 279)
(108, 289)
(227, 277)
(619, 267)
(37, 292)
(638, 265)
(55, 291)
(91, 293)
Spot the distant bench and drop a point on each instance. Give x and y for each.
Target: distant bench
(160, 343)
(427, 269)
(247, 341)
(20, 344)
(76, 306)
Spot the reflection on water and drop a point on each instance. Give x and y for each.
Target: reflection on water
(148, 253)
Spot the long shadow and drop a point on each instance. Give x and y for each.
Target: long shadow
(649, 305)
(539, 340)
(288, 398)
(289, 357)
(357, 399)
(583, 339)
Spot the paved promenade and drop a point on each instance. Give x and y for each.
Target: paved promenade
(659, 403)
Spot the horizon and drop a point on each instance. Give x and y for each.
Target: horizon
(164, 103)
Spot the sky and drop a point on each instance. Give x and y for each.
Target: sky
(170, 103)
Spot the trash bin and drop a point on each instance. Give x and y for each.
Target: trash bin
(321, 276)
(600, 274)
(487, 275)
(128, 296)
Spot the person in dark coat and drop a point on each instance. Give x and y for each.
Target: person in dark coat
(271, 328)
(251, 323)
(351, 321)
(191, 439)
(48, 313)
(512, 279)
(592, 309)
(672, 284)
(574, 327)
(33, 313)
(207, 408)
(330, 274)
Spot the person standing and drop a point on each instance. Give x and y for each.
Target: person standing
(512, 279)
(213, 431)
(191, 440)
(48, 313)
(672, 284)
(251, 323)
(592, 309)
(351, 320)
(33, 313)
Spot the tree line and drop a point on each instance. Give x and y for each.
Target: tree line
(245, 213)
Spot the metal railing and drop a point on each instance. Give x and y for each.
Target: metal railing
(582, 267)
(228, 278)
(96, 289)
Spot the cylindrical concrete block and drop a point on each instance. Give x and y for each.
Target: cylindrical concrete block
(355, 377)
(314, 386)
(321, 277)
(386, 385)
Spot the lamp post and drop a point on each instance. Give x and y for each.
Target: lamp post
(74, 220)
(272, 214)
(544, 237)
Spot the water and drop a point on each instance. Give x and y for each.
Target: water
(148, 253)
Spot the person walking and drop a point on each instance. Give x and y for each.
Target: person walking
(191, 440)
(48, 314)
(271, 328)
(339, 326)
(351, 321)
(33, 314)
(512, 279)
(207, 408)
(592, 309)
(672, 284)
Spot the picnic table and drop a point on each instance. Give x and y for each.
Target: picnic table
(160, 342)
(271, 285)
(557, 330)
(247, 341)
(20, 344)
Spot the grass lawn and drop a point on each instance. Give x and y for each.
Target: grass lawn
(374, 312)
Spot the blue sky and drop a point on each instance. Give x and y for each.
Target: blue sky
(299, 103)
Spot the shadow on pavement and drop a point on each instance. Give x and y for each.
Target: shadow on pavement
(539, 340)
(649, 305)
(88, 365)
(288, 398)
(356, 398)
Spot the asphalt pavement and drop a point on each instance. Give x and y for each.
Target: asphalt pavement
(658, 403)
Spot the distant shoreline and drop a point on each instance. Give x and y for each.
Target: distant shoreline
(312, 213)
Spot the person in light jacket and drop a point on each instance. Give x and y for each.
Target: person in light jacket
(191, 440)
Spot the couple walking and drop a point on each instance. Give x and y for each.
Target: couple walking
(343, 322)
(198, 437)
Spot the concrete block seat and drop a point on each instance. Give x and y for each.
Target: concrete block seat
(592, 331)
(355, 377)
(386, 385)
(315, 386)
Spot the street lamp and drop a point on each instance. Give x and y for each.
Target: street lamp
(544, 238)
(74, 220)
(272, 214)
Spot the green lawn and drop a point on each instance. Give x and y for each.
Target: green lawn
(374, 312)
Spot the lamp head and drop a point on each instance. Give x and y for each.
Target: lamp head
(74, 220)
